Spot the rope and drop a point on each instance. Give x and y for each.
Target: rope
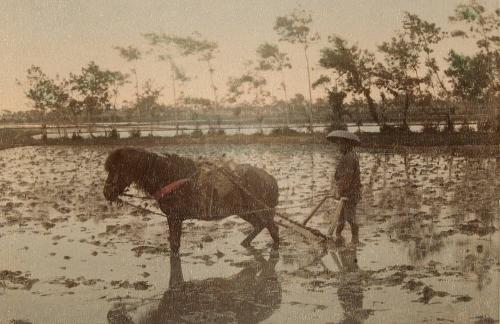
(163, 215)
(311, 230)
(141, 208)
(305, 205)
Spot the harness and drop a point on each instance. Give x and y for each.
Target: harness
(169, 188)
(207, 180)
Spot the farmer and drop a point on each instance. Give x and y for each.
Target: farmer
(347, 181)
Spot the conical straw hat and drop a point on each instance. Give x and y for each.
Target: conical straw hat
(341, 134)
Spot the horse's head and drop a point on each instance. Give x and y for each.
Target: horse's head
(119, 175)
(149, 171)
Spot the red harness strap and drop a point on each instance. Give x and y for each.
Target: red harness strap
(171, 187)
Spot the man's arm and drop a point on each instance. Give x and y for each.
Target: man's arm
(343, 184)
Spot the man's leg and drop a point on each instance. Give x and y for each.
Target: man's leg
(340, 224)
(350, 216)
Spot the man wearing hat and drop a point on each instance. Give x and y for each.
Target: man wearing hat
(347, 181)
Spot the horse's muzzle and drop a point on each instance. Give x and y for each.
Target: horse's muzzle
(110, 193)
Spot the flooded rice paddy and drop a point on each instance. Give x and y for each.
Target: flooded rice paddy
(429, 251)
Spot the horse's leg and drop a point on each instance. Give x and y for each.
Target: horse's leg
(273, 229)
(258, 226)
(175, 230)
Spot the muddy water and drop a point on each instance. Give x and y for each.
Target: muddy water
(429, 247)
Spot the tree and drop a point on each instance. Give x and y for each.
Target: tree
(470, 76)
(399, 75)
(148, 99)
(133, 55)
(198, 103)
(46, 94)
(335, 99)
(165, 46)
(249, 85)
(202, 48)
(294, 28)
(119, 80)
(409, 69)
(354, 70)
(482, 26)
(272, 59)
(425, 36)
(93, 87)
(336, 102)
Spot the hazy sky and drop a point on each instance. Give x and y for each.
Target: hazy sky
(63, 35)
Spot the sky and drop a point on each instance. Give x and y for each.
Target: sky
(61, 36)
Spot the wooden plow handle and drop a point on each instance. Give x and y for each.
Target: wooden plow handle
(336, 215)
(316, 208)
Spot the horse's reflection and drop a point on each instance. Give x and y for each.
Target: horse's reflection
(249, 296)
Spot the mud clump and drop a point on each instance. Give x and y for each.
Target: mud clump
(476, 227)
(17, 279)
(72, 283)
(119, 316)
(48, 225)
(413, 285)
(464, 299)
(207, 238)
(19, 322)
(138, 285)
(485, 320)
(148, 249)
(428, 293)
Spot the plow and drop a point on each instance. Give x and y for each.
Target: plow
(286, 222)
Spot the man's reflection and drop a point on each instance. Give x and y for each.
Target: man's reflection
(249, 296)
(350, 291)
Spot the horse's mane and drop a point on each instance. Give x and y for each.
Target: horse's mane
(148, 170)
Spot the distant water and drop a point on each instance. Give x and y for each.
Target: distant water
(230, 129)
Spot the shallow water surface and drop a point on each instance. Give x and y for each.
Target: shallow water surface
(429, 250)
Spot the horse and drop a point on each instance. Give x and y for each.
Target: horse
(174, 182)
(249, 296)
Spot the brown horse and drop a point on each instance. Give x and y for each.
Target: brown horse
(184, 197)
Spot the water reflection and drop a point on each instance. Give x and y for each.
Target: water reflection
(250, 296)
(478, 264)
(350, 291)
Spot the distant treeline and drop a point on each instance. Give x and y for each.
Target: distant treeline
(402, 84)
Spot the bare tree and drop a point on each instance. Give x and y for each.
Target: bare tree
(294, 28)
(272, 59)
(133, 55)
